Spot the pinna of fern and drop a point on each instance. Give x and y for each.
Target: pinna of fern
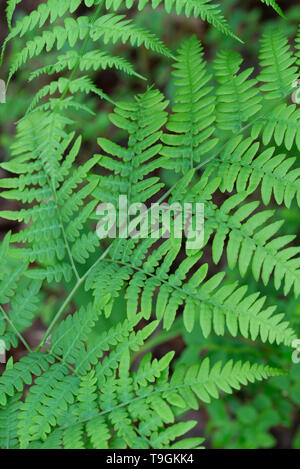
(205, 10)
(131, 171)
(48, 12)
(22, 294)
(110, 27)
(205, 117)
(48, 187)
(250, 240)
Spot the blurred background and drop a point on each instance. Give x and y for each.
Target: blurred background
(264, 415)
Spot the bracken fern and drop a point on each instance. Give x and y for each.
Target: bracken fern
(227, 131)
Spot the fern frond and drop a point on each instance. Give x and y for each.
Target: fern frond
(138, 160)
(250, 236)
(110, 28)
(51, 387)
(121, 337)
(23, 310)
(9, 423)
(93, 386)
(208, 302)
(118, 403)
(52, 273)
(282, 125)
(44, 156)
(205, 381)
(113, 28)
(193, 115)
(274, 5)
(10, 9)
(37, 18)
(94, 59)
(22, 372)
(40, 406)
(83, 84)
(278, 65)
(238, 99)
(163, 439)
(242, 165)
(69, 337)
(251, 242)
(63, 105)
(22, 294)
(9, 283)
(205, 9)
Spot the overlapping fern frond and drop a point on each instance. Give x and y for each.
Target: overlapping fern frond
(110, 28)
(86, 417)
(48, 186)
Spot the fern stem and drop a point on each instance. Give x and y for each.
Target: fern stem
(16, 331)
(68, 249)
(69, 298)
(58, 315)
(64, 233)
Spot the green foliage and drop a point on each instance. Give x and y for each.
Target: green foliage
(218, 138)
(143, 144)
(193, 115)
(274, 5)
